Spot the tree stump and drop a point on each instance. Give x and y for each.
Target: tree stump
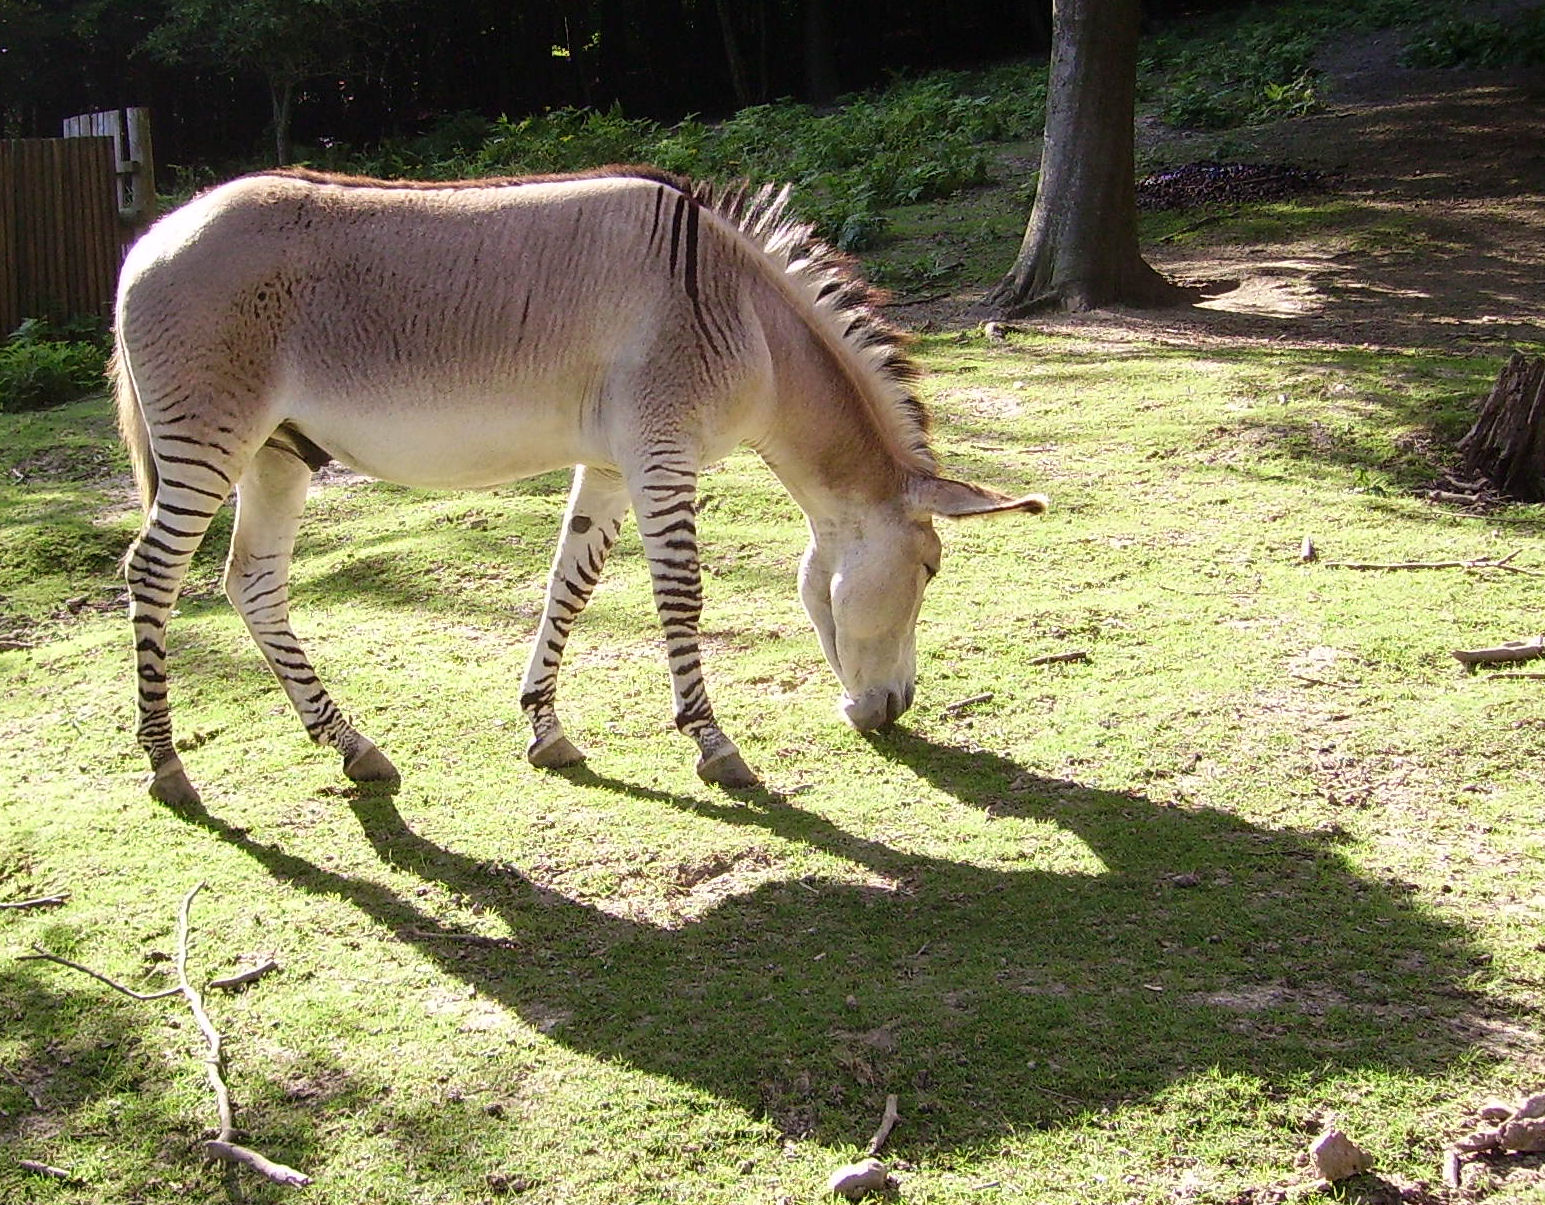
(1506, 447)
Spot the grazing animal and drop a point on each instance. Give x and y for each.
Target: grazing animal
(466, 335)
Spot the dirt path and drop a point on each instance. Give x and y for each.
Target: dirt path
(1443, 173)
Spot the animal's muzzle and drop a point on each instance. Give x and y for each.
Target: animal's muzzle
(876, 708)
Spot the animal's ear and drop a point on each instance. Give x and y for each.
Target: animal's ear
(962, 500)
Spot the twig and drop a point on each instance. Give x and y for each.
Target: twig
(962, 704)
(7, 645)
(1512, 650)
(229, 1152)
(1061, 658)
(887, 1124)
(1515, 674)
(221, 1146)
(39, 954)
(43, 1169)
(244, 977)
(1483, 562)
(42, 901)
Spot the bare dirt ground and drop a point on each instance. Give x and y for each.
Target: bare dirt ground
(1448, 170)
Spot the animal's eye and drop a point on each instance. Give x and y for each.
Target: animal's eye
(931, 570)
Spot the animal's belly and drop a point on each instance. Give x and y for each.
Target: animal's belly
(451, 443)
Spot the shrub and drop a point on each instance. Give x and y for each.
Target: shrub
(917, 140)
(1472, 43)
(41, 366)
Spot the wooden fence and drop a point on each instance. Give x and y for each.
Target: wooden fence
(68, 209)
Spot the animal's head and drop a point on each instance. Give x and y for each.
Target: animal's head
(862, 582)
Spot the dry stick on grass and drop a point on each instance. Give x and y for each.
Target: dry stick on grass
(43, 1169)
(43, 901)
(887, 1124)
(231, 982)
(221, 1146)
(1484, 562)
(1512, 650)
(1061, 658)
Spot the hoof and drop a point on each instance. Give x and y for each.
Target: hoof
(554, 753)
(369, 764)
(171, 786)
(726, 768)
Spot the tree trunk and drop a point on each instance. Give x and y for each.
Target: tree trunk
(740, 79)
(1080, 248)
(820, 54)
(281, 93)
(1506, 447)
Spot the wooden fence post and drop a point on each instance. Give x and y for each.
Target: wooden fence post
(136, 169)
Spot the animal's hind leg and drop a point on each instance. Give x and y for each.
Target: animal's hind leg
(597, 503)
(154, 569)
(269, 499)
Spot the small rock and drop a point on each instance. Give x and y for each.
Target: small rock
(1337, 1157)
(1481, 1140)
(1495, 1110)
(855, 1179)
(1531, 1106)
(1527, 1135)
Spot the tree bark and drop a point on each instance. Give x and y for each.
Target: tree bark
(820, 53)
(1506, 446)
(1080, 248)
(740, 79)
(281, 92)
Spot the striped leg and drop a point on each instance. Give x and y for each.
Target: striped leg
(597, 503)
(269, 498)
(187, 495)
(666, 505)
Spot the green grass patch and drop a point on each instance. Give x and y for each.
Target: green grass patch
(1266, 858)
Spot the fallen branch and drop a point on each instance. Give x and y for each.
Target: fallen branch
(1476, 564)
(1061, 658)
(1512, 650)
(39, 954)
(43, 1169)
(243, 978)
(221, 1146)
(42, 901)
(962, 704)
(887, 1124)
(1515, 674)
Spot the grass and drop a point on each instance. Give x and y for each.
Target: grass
(1125, 929)
(1130, 930)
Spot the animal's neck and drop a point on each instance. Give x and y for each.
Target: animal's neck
(823, 441)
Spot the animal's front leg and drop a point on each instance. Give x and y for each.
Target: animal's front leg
(597, 503)
(666, 505)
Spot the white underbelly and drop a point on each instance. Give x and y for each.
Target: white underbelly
(451, 443)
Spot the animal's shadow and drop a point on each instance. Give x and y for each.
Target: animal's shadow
(1204, 943)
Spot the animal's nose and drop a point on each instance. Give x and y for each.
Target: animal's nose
(876, 708)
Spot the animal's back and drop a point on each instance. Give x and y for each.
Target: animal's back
(492, 315)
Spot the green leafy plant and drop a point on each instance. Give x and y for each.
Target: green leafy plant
(1466, 42)
(43, 366)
